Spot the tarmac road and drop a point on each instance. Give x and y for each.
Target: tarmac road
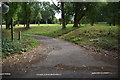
(67, 60)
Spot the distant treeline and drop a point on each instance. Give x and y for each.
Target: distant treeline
(71, 12)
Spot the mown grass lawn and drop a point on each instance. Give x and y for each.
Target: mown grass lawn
(53, 30)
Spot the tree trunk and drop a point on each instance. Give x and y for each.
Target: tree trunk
(35, 21)
(113, 21)
(12, 31)
(63, 16)
(28, 25)
(76, 22)
(77, 19)
(7, 24)
(24, 24)
(27, 20)
(79, 14)
(46, 22)
(113, 24)
(18, 23)
(38, 23)
(110, 24)
(92, 23)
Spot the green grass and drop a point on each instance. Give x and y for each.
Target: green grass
(17, 46)
(100, 36)
(10, 47)
(53, 30)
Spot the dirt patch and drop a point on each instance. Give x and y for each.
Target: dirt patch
(77, 69)
(22, 62)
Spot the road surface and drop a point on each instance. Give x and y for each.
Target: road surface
(64, 59)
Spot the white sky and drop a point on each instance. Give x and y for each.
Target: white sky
(48, 1)
(55, 1)
(58, 15)
(0, 4)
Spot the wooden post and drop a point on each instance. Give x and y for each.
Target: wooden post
(12, 30)
(19, 36)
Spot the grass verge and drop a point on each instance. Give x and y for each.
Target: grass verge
(17, 46)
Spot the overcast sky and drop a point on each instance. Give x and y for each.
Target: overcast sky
(55, 1)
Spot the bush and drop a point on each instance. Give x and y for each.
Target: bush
(17, 46)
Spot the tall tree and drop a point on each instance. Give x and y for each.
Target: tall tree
(13, 6)
(80, 10)
(26, 12)
(63, 16)
(68, 12)
(62, 9)
(93, 12)
(36, 12)
(47, 11)
(112, 13)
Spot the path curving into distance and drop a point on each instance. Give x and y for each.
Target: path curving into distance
(67, 60)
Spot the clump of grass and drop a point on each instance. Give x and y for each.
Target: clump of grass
(107, 43)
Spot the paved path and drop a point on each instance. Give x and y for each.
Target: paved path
(67, 60)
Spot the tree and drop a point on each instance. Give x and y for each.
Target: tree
(92, 14)
(63, 16)
(13, 6)
(112, 13)
(26, 11)
(80, 10)
(37, 16)
(62, 9)
(47, 11)
(68, 12)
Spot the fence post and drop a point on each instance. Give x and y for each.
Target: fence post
(19, 35)
(12, 30)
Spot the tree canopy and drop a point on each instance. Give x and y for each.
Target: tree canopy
(71, 12)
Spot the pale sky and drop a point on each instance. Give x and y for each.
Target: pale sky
(0, 4)
(55, 1)
(58, 15)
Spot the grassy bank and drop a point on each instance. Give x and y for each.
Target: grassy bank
(100, 37)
